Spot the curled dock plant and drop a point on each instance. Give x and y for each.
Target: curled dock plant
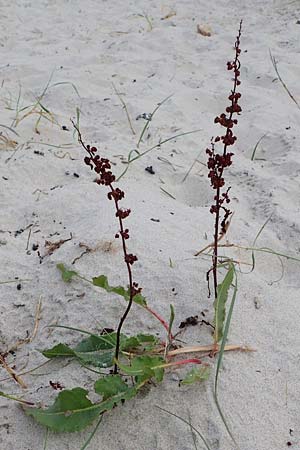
(102, 167)
(218, 162)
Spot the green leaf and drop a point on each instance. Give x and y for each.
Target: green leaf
(57, 351)
(144, 368)
(220, 303)
(221, 354)
(98, 351)
(95, 342)
(200, 374)
(140, 300)
(66, 274)
(95, 350)
(110, 385)
(101, 281)
(147, 341)
(73, 411)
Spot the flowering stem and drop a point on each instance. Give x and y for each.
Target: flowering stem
(102, 167)
(217, 162)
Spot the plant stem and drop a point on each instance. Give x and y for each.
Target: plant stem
(131, 290)
(216, 242)
(219, 172)
(101, 167)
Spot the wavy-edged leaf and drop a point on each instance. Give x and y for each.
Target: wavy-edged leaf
(196, 374)
(94, 342)
(220, 303)
(110, 385)
(66, 274)
(140, 300)
(102, 281)
(59, 350)
(95, 350)
(144, 368)
(73, 411)
(146, 341)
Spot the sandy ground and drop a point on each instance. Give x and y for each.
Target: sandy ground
(93, 44)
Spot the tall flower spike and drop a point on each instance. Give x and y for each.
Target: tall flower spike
(105, 177)
(218, 162)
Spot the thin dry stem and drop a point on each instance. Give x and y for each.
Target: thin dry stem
(12, 373)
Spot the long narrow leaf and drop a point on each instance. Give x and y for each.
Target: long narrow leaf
(187, 423)
(220, 303)
(87, 442)
(221, 353)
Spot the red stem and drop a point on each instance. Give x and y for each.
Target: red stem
(161, 320)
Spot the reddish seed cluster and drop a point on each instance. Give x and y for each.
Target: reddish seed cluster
(117, 194)
(123, 213)
(102, 167)
(130, 259)
(217, 162)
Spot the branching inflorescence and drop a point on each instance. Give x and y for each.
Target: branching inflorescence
(102, 167)
(218, 162)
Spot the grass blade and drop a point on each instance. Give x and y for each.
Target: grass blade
(87, 442)
(192, 433)
(147, 124)
(46, 439)
(254, 242)
(125, 109)
(274, 62)
(188, 423)
(67, 82)
(171, 138)
(10, 129)
(256, 145)
(220, 303)
(220, 358)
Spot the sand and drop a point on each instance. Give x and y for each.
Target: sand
(149, 51)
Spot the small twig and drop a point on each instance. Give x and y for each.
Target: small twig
(52, 246)
(208, 348)
(221, 235)
(168, 193)
(29, 234)
(12, 373)
(29, 371)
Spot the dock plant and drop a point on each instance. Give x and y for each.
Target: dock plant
(128, 362)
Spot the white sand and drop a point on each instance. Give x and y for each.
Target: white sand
(95, 43)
